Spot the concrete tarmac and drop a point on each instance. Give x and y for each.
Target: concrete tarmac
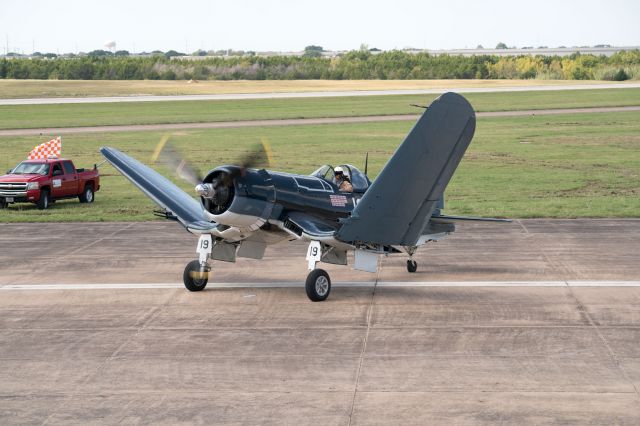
(368, 355)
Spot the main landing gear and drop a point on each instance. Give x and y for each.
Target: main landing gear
(318, 284)
(196, 273)
(194, 277)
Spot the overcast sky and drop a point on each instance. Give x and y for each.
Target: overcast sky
(288, 25)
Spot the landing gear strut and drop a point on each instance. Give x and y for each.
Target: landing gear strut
(412, 265)
(318, 284)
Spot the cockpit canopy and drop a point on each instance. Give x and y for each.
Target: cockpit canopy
(359, 180)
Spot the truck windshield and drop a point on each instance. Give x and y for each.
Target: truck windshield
(31, 168)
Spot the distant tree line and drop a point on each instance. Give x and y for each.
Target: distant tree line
(360, 64)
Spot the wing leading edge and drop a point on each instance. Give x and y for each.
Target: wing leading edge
(160, 189)
(396, 209)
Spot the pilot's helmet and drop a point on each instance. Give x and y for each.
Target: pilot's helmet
(338, 170)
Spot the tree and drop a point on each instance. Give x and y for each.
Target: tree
(621, 75)
(99, 53)
(313, 51)
(172, 53)
(501, 45)
(168, 75)
(122, 53)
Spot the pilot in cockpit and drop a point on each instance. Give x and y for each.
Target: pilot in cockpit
(342, 180)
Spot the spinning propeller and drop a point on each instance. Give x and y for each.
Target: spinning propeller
(219, 192)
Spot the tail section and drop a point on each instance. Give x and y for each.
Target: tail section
(397, 207)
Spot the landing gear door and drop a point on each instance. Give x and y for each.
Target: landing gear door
(314, 254)
(204, 247)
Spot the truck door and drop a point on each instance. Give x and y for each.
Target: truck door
(57, 174)
(69, 179)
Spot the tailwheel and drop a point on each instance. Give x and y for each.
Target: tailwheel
(412, 265)
(195, 276)
(318, 285)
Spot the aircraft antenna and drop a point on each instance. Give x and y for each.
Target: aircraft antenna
(366, 164)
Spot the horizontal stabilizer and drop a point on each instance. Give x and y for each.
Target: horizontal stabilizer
(161, 190)
(396, 208)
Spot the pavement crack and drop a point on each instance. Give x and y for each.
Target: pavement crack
(614, 358)
(364, 343)
(524, 228)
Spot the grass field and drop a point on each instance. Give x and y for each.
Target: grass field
(583, 165)
(80, 88)
(69, 115)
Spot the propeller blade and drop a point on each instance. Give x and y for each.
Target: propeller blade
(259, 157)
(166, 154)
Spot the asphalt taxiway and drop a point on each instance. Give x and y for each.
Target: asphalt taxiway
(296, 121)
(314, 94)
(534, 321)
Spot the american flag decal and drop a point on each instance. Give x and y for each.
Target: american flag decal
(338, 200)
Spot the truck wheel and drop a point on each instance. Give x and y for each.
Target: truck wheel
(3, 204)
(43, 202)
(87, 195)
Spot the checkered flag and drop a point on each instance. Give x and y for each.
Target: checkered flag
(53, 148)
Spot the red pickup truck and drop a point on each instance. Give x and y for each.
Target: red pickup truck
(44, 181)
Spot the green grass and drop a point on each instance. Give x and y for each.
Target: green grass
(69, 115)
(583, 165)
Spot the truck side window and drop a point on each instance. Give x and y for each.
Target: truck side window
(57, 169)
(68, 167)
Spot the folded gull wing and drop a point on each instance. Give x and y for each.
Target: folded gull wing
(160, 189)
(396, 208)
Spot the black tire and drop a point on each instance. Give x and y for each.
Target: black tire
(44, 201)
(412, 265)
(190, 278)
(3, 204)
(87, 195)
(318, 285)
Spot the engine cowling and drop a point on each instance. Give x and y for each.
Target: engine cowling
(228, 197)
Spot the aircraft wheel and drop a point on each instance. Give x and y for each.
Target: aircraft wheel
(412, 265)
(318, 285)
(193, 278)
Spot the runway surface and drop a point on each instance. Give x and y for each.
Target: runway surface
(327, 94)
(294, 121)
(535, 321)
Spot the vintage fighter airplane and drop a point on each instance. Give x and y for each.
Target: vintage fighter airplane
(243, 209)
